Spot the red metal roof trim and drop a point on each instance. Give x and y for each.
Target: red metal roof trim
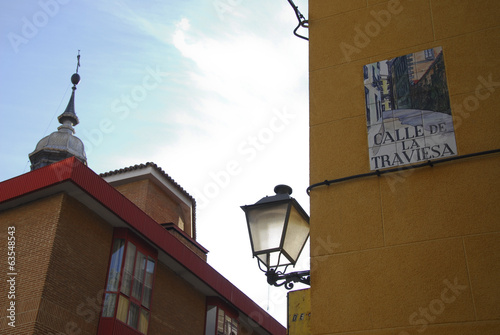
(74, 171)
(173, 226)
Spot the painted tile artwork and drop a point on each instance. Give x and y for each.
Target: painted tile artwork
(408, 110)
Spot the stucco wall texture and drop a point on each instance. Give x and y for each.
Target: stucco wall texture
(416, 251)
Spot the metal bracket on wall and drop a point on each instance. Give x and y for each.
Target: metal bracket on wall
(278, 278)
(303, 22)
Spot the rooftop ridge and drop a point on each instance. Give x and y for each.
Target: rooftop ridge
(143, 166)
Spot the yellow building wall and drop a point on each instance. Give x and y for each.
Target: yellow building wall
(415, 252)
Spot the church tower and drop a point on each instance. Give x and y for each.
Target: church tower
(61, 144)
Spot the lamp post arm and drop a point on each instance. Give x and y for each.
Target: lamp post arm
(279, 279)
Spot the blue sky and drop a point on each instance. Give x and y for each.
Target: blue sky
(213, 91)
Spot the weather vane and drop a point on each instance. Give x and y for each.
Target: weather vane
(75, 78)
(78, 61)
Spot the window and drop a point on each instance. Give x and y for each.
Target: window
(130, 283)
(221, 319)
(429, 54)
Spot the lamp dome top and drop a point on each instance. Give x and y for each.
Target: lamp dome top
(283, 189)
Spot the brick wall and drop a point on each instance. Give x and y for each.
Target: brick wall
(148, 197)
(177, 307)
(76, 276)
(160, 207)
(62, 254)
(35, 225)
(135, 192)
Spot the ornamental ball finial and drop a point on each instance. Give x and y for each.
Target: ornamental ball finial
(75, 78)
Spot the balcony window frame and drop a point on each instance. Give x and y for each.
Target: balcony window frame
(224, 311)
(108, 323)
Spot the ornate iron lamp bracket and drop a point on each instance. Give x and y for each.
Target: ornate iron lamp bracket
(277, 278)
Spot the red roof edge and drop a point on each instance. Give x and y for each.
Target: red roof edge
(73, 170)
(36, 180)
(189, 239)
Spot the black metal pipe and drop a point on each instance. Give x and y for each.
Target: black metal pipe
(401, 168)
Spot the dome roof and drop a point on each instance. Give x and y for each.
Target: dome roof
(57, 146)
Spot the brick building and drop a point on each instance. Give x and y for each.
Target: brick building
(109, 254)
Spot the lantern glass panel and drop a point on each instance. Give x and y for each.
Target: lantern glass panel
(266, 225)
(297, 232)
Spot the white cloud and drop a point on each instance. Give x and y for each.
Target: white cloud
(241, 79)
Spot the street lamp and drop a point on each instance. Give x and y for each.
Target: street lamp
(278, 229)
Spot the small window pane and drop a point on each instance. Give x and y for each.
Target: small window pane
(108, 308)
(148, 283)
(211, 320)
(144, 321)
(121, 313)
(220, 322)
(227, 325)
(234, 328)
(115, 265)
(140, 267)
(128, 268)
(133, 316)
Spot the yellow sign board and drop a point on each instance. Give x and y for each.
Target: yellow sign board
(299, 312)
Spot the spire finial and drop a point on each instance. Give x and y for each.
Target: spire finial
(62, 143)
(69, 114)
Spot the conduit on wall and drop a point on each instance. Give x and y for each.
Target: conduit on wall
(401, 168)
